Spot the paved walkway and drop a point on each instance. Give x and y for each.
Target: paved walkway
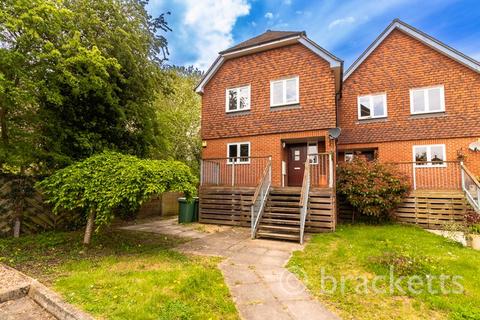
(261, 286)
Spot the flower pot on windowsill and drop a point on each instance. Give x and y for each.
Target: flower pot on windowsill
(473, 240)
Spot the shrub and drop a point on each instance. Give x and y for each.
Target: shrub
(372, 188)
(108, 181)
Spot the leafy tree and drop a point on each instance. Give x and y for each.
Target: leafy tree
(178, 115)
(77, 77)
(373, 188)
(108, 181)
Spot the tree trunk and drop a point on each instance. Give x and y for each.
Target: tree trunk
(3, 125)
(89, 228)
(16, 227)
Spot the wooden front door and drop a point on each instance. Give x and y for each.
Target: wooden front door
(297, 155)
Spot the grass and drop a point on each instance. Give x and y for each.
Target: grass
(124, 275)
(359, 253)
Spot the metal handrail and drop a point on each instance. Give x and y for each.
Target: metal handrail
(473, 199)
(260, 197)
(303, 204)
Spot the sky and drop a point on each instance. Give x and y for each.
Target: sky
(202, 28)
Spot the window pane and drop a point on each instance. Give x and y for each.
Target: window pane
(244, 151)
(291, 87)
(437, 154)
(418, 101)
(421, 155)
(277, 92)
(244, 94)
(434, 99)
(364, 107)
(232, 151)
(378, 106)
(312, 151)
(232, 99)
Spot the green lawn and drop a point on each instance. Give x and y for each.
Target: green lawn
(360, 253)
(124, 275)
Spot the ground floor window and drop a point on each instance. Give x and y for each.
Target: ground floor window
(313, 152)
(348, 156)
(429, 155)
(238, 152)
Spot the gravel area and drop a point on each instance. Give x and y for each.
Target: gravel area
(10, 278)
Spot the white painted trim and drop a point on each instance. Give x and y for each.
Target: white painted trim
(238, 99)
(429, 155)
(332, 60)
(238, 152)
(426, 39)
(284, 92)
(210, 72)
(370, 97)
(426, 100)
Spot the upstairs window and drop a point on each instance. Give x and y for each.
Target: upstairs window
(427, 100)
(372, 106)
(238, 152)
(284, 92)
(429, 155)
(238, 99)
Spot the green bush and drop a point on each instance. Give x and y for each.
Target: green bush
(372, 188)
(108, 181)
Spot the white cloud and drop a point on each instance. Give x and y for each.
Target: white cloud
(341, 22)
(209, 25)
(269, 15)
(287, 2)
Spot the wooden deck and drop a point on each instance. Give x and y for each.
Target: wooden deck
(231, 206)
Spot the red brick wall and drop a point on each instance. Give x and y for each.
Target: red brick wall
(317, 94)
(264, 146)
(398, 64)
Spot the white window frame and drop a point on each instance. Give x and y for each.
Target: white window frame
(370, 98)
(227, 104)
(284, 92)
(312, 157)
(350, 155)
(426, 99)
(238, 144)
(429, 155)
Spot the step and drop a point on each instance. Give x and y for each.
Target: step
(281, 236)
(289, 229)
(282, 204)
(284, 198)
(282, 209)
(284, 215)
(286, 190)
(279, 221)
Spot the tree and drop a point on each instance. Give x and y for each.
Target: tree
(77, 77)
(108, 181)
(373, 188)
(178, 114)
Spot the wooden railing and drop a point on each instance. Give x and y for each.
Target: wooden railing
(471, 187)
(303, 204)
(260, 197)
(321, 169)
(244, 171)
(428, 175)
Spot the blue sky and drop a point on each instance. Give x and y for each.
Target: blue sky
(202, 28)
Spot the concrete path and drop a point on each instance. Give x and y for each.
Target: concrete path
(254, 270)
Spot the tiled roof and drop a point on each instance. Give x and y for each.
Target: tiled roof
(265, 37)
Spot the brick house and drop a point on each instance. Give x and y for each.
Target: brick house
(412, 100)
(272, 105)
(266, 103)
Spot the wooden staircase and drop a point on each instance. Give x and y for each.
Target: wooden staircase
(281, 217)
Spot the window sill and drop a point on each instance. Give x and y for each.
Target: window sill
(285, 107)
(428, 115)
(238, 113)
(372, 120)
